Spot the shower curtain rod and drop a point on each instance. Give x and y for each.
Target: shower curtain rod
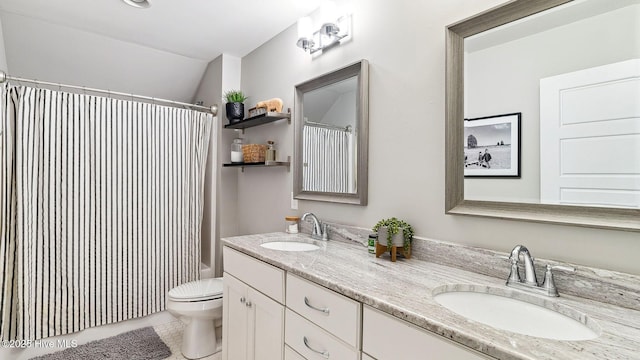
(329, 126)
(213, 109)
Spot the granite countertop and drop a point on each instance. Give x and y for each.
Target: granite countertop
(404, 289)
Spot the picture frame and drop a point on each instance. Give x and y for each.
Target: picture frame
(498, 136)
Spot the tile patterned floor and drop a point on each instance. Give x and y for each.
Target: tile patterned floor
(171, 334)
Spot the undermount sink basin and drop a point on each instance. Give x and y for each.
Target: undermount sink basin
(517, 312)
(289, 246)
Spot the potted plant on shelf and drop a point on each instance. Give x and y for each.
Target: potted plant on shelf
(235, 105)
(394, 233)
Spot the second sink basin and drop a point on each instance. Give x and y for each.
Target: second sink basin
(516, 312)
(289, 246)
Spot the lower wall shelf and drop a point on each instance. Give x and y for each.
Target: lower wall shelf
(261, 164)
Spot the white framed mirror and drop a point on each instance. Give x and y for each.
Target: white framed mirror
(572, 70)
(331, 136)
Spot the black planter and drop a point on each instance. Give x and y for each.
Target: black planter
(235, 112)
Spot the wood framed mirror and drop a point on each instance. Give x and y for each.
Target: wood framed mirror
(509, 24)
(331, 136)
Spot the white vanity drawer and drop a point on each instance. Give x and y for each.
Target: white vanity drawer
(263, 277)
(313, 343)
(381, 330)
(291, 355)
(331, 311)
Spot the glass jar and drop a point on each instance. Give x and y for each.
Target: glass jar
(292, 224)
(270, 155)
(236, 151)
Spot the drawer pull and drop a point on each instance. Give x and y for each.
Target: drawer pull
(324, 354)
(324, 310)
(242, 300)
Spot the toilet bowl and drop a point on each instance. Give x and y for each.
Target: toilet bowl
(199, 304)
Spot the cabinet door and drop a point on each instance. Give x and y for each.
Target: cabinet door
(291, 355)
(266, 327)
(234, 319)
(380, 330)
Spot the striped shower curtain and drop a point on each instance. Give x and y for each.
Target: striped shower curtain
(100, 208)
(327, 160)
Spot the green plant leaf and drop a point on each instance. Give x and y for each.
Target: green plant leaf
(234, 96)
(393, 226)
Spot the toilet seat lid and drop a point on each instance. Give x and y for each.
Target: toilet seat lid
(198, 290)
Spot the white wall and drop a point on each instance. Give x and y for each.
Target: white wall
(209, 91)
(228, 203)
(499, 87)
(220, 212)
(34, 51)
(231, 70)
(404, 42)
(3, 55)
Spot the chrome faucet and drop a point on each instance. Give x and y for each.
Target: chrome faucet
(529, 269)
(319, 229)
(530, 283)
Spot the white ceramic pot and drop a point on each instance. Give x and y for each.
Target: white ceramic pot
(397, 239)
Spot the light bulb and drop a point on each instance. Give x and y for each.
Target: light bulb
(305, 28)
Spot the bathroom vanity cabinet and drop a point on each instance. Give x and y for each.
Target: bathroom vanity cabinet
(253, 299)
(289, 354)
(273, 314)
(409, 342)
(362, 307)
(318, 321)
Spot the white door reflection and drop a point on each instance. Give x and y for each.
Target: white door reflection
(590, 136)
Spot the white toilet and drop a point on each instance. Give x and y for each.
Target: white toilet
(198, 304)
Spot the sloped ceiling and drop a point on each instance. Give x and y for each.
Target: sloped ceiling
(161, 51)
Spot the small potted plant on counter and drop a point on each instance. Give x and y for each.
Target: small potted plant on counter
(394, 234)
(235, 105)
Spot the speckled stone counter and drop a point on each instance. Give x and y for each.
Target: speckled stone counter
(405, 290)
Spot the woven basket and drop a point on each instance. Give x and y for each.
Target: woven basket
(254, 153)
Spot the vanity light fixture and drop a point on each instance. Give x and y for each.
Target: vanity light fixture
(140, 4)
(334, 29)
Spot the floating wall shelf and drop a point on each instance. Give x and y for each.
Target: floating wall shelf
(259, 120)
(261, 164)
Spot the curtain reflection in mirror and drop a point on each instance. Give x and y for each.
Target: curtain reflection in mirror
(327, 163)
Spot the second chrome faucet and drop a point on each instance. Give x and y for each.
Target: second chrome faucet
(319, 230)
(530, 282)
